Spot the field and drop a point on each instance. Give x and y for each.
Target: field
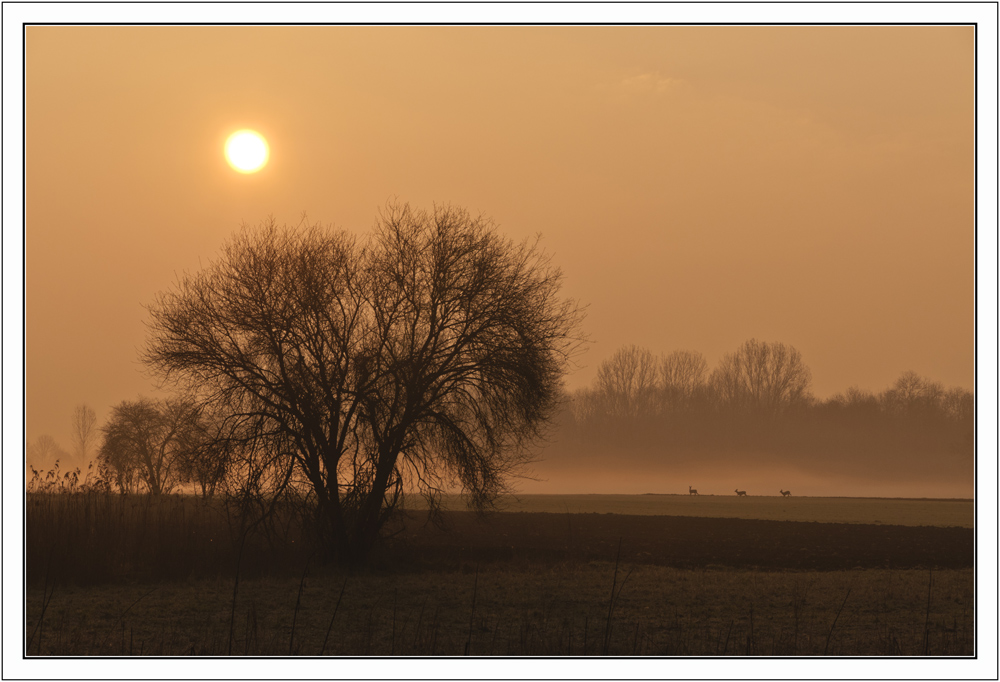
(157, 578)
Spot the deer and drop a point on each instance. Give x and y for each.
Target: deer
(741, 493)
(786, 493)
(692, 491)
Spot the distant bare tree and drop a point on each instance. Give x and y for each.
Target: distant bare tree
(858, 399)
(44, 452)
(84, 433)
(143, 442)
(960, 405)
(763, 378)
(913, 395)
(922, 406)
(431, 353)
(682, 374)
(627, 383)
(584, 405)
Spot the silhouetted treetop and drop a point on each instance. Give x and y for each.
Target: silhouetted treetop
(762, 378)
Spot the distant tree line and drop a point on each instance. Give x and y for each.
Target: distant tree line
(758, 399)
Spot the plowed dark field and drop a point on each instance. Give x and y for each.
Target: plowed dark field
(681, 541)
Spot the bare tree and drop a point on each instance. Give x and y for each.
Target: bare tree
(960, 405)
(762, 378)
(430, 353)
(860, 406)
(627, 383)
(84, 433)
(143, 441)
(682, 374)
(914, 396)
(45, 452)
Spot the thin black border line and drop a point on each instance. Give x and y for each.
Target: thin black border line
(975, 340)
(24, 342)
(975, 26)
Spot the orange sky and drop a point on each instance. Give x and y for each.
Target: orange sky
(699, 186)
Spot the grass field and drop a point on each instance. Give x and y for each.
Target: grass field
(109, 575)
(874, 510)
(550, 610)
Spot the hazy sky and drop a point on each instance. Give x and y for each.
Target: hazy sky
(699, 186)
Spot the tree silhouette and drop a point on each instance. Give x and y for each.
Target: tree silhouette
(683, 375)
(84, 434)
(353, 372)
(143, 443)
(45, 452)
(762, 378)
(628, 383)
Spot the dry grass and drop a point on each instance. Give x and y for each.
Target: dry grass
(554, 610)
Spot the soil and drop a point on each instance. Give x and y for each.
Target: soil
(678, 541)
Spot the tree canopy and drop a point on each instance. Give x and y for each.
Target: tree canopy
(357, 370)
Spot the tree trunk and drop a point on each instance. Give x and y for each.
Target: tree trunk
(366, 528)
(330, 525)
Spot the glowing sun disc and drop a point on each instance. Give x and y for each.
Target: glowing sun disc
(246, 151)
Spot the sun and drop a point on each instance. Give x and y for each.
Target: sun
(247, 151)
